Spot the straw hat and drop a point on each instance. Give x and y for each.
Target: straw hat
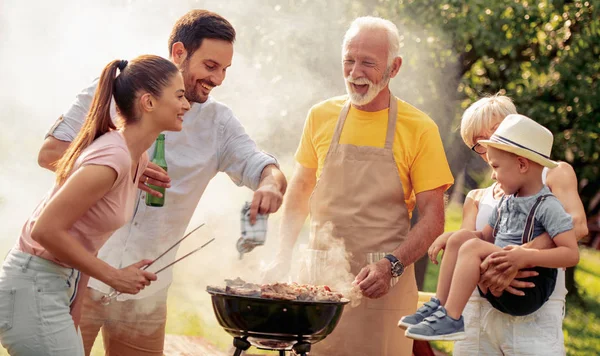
(524, 137)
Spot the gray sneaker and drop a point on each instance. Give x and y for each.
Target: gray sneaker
(423, 312)
(438, 326)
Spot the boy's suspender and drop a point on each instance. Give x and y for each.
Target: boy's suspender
(528, 231)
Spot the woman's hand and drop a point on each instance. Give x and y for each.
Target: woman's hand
(438, 245)
(497, 279)
(132, 279)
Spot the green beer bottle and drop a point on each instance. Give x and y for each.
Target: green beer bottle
(159, 160)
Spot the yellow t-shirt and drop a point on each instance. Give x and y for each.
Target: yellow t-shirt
(418, 149)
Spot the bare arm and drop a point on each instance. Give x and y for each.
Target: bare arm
(430, 225)
(565, 254)
(541, 242)
(470, 209)
(562, 181)
(80, 192)
(269, 194)
(295, 207)
(271, 175)
(487, 234)
(295, 211)
(374, 279)
(51, 151)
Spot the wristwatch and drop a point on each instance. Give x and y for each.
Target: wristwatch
(397, 266)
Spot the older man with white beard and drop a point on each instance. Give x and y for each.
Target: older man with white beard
(368, 158)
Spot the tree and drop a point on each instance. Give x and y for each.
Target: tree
(545, 55)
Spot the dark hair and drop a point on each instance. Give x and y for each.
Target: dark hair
(147, 73)
(192, 28)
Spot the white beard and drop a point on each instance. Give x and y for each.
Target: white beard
(372, 92)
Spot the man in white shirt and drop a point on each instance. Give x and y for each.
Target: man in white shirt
(212, 141)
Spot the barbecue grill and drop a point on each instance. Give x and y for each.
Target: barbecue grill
(277, 325)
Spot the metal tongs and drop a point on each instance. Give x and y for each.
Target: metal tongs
(108, 298)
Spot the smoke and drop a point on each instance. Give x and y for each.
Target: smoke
(287, 59)
(329, 265)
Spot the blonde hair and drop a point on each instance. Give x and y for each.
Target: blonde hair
(482, 115)
(371, 22)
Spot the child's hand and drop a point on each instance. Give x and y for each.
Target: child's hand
(510, 256)
(438, 245)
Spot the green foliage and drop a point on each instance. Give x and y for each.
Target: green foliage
(582, 324)
(543, 54)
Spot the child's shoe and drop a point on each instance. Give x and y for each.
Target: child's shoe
(438, 326)
(423, 312)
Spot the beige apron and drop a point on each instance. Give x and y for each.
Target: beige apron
(360, 193)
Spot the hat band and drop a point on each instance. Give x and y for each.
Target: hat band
(500, 139)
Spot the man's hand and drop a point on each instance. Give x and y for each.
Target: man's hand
(374, 279)
(269, 195)
(267, 200)
(156, 176)
(497, 280)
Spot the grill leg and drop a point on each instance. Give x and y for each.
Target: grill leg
(301, 348)
(240, 345)
(281, 352)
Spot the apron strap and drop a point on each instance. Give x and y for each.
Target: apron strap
(392, 118)
(335, 140)
(391, 127)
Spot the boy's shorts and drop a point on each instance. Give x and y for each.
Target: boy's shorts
(534, 297)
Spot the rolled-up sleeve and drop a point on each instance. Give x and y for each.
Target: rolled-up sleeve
(68, 125)
(239, 155)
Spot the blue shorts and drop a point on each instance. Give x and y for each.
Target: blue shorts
(35, 299)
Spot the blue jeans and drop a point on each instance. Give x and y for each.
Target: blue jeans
(35, 298)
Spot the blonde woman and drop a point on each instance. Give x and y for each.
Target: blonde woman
(490, 332)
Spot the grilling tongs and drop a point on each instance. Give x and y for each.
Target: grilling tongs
(108, 298)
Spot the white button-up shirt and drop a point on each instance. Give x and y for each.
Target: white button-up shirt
(212, 140)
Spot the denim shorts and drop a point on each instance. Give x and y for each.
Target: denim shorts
(35, 299)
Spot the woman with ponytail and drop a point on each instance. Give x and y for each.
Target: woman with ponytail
(94, 194)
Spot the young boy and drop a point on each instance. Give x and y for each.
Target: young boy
(517, 153)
